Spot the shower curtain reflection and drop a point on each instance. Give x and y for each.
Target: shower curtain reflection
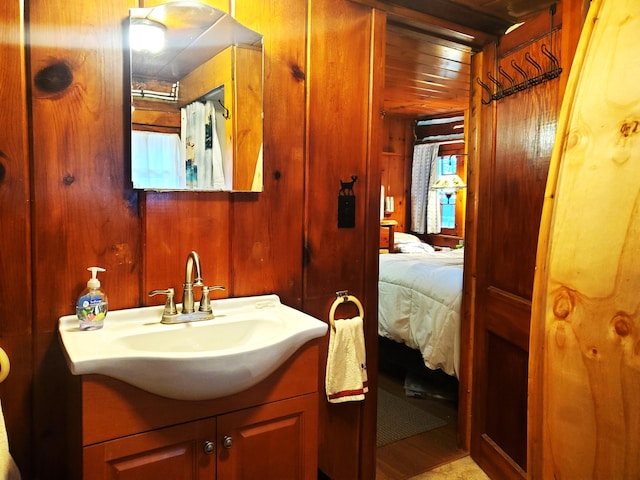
(201, 145)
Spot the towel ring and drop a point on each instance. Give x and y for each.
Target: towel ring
(5, 365)
(343, 297)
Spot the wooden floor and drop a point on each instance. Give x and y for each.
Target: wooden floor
(415, 455)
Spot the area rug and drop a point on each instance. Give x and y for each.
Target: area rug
(462, 469)
(398, 419)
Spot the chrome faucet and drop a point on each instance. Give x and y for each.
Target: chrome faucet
(187, 288)
(170, 314)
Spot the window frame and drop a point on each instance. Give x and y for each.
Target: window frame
(456, 150)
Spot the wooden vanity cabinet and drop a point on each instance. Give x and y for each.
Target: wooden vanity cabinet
(178, 452)
(266, 432)
(272, 442)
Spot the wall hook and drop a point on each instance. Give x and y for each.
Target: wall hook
(522, 85)
(225, 113)
(499, 89)
(486, 87)
(539, 77)
(512, 84)
(555, 65)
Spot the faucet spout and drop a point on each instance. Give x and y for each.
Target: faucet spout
(193, 259)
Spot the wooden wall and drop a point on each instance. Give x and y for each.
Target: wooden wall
(15, 234)
(82, 211)
(395, 166)
(344, 141)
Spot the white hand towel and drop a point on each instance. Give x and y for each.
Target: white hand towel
(8, 468)
(346, 376)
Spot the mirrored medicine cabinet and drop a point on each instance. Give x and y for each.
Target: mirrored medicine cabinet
(196, 100)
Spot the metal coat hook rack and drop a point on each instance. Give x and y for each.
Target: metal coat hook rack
(511, 86)
(501, 91)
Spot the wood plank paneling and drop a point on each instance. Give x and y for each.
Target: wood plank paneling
(267, 229)
(395, 166)
(15, 241)
(340, 135)
(425, 75)
(84, 211)
(523, 149)
(512, 172)
(174, 224)
(337, 146)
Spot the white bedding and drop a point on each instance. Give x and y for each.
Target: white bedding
(419, 299)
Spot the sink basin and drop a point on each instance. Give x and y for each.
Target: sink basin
(249, 338)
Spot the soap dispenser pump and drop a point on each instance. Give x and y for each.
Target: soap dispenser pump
(92, 304)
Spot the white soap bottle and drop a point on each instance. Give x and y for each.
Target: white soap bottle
(92, 304)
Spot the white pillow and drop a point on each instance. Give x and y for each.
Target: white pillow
(414, 247)
(402, 237)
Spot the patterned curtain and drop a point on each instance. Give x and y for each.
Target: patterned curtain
(425, 211)
(203, 153)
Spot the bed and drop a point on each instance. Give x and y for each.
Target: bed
(419, 300)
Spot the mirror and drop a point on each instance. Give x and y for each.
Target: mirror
(196, 100)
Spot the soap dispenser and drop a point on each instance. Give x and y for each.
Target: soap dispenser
(92, 303)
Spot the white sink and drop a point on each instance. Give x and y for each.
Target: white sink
(249, 338)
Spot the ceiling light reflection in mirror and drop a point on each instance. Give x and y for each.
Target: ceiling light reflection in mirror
(146, 35)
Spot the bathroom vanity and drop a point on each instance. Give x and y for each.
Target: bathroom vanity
(157, 394)
(268, 431)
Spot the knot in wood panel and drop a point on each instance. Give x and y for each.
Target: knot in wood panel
(297, 73)
(563, 304)
(622, 324)
(54, 78)
(3, 170)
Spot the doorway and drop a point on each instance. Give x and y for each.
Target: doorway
(402, 372)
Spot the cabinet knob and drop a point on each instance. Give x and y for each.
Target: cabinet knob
(209, 447)
(227, 441)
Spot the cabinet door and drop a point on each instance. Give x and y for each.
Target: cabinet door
(178, 452)
(271, 442)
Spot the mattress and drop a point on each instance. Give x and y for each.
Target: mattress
(419, 303)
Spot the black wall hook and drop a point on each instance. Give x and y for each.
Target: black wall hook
(225, 113)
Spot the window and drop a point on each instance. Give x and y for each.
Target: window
(448, 131)
(447, 166)
(452, 206)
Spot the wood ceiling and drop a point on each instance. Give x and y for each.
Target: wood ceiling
(429, 48)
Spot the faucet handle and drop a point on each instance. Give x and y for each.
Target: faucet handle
(170, 304)
(205, 302)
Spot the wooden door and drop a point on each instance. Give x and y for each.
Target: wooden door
(185, 452)
(584, 416)
(515, 140)
(270, 442)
